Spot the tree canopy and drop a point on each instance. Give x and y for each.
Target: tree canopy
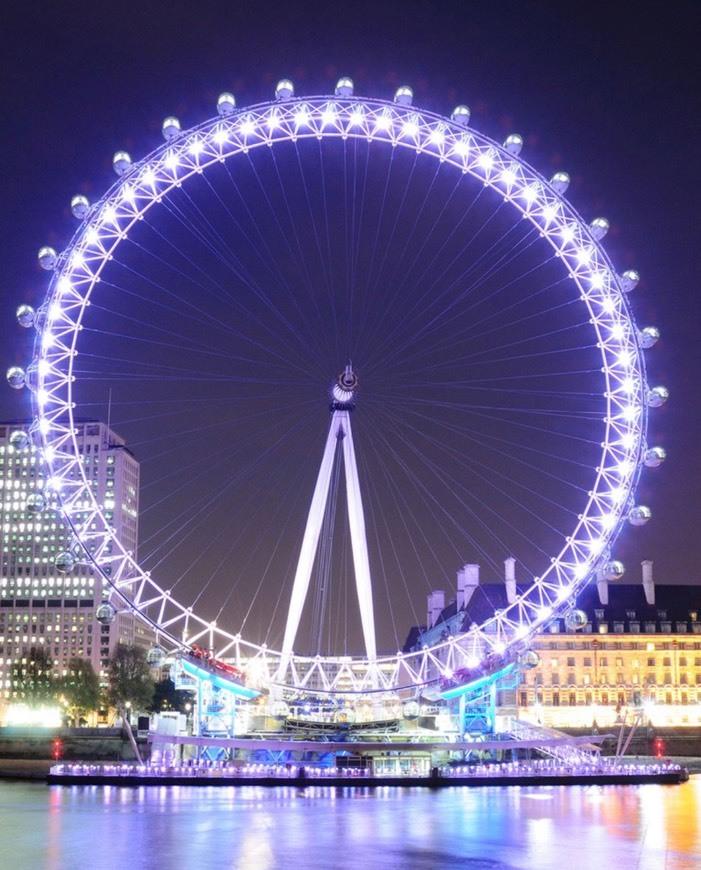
(130, 680)
(167, 697)
(80, 689)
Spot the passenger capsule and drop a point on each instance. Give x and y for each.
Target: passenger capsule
(513, 144)
(648, 337)
(170, 128)
(80, 206)
(344, 87)
(613, 570)
(654, 457)
(284, 90)
(121, 162)
(155, 657)
(281, 709)
(105, 613)
(16, 377)
(411, 710)
(639, 515)
(19, 439)
(226, 104)
(657, 396)
(529, 660)
(35, 503)
(598, 228)
(575, 620)
(25, 316)
(47, 258)
(461, 115)
(404, 96)
(64, 562)
(629, 280)
(560, 182)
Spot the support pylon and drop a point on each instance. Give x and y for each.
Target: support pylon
(343, 402)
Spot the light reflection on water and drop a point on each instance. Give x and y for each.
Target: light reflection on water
(252, 828)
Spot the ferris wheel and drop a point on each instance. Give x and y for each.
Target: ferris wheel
(389, 267)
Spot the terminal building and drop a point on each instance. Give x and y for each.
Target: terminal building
(43, 605)
(638, 652)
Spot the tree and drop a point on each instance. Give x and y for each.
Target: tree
(130, 681)
(80, 689)
(34, 681)
(130, 685)
(167, 697)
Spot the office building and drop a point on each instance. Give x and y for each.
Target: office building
(40, 606)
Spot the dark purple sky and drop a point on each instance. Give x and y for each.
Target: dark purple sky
(606, 91)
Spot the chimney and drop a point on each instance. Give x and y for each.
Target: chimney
(648, 582)
(602, 584)
(468, 581)
(435, 602)
(510, 579)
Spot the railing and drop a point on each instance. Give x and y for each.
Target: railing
(574, 755)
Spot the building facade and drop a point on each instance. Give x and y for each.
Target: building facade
(639, 653)
(636, 653)
(42, 605)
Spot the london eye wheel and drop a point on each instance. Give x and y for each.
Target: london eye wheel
(258, 281)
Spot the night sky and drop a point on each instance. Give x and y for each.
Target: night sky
(605, 91)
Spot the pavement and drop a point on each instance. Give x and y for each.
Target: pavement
(25, 768)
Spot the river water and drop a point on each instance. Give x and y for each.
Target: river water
(646, 827)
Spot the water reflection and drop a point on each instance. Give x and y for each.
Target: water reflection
(252, 828)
